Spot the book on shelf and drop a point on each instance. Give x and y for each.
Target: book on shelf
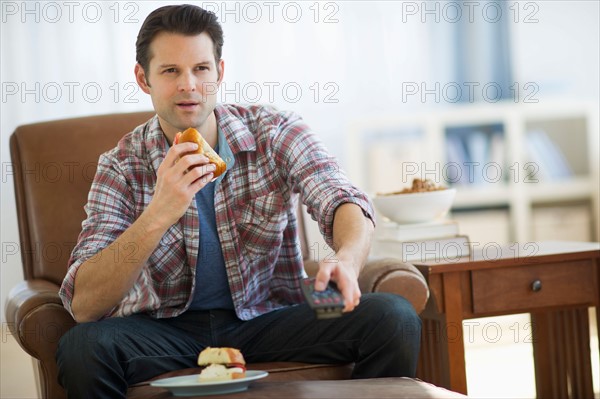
(389, 230)
(476, 154)
(457, 156)
(551, 162)
(497, 150)
(478, 145)
(444, 249)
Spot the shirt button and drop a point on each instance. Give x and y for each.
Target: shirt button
(228, 159)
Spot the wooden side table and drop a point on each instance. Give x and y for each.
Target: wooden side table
(555, 282)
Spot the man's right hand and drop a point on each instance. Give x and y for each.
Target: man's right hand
(101, 284)
(179, 178)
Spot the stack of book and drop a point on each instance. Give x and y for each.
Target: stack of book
(420, 242)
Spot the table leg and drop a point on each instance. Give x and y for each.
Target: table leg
(454, 332)
(561, 350)
(433, 357)
(442, 355)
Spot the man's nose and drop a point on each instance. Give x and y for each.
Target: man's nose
(187, 82)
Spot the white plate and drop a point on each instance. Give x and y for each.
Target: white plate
(188, 385)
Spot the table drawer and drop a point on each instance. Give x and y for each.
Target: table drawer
(529, 287)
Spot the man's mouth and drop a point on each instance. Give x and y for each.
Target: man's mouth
(187, 104)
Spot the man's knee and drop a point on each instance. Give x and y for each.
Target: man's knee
(79, 345)
(395, 314)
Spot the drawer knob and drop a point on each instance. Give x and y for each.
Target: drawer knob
(536, 286)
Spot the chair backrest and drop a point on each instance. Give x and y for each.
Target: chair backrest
(54, 164)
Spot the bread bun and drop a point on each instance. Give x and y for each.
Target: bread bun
(220, 356)
(193, 136)
(218, 372)
(221, 364)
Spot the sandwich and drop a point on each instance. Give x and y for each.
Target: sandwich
(221, 364)
(193, 136)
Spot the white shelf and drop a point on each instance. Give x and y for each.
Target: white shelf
(469, 197)
(572, 126)
(577, 188)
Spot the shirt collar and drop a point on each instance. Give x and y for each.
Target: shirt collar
(155, 143)
(235, 131)
(224, 152)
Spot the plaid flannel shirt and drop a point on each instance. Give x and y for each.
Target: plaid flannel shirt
(277, 158)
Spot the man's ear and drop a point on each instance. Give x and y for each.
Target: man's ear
(140, 77)
(221, 71)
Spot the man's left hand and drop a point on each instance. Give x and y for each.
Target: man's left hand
(342, 272)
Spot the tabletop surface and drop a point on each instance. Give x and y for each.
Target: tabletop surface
(494, 255)
(392, 387)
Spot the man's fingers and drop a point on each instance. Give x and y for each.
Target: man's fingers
(177, 151)
(349, 300)
(352, 296)
(357, 295)
(190, 162)
(199, 184)
(322, 278)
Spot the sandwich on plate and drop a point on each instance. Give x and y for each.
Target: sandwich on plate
(221, 364)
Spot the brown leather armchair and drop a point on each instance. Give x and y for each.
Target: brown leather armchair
(54, 164)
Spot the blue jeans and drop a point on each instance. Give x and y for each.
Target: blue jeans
(100, 359)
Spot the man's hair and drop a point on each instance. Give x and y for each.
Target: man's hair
(184, 19)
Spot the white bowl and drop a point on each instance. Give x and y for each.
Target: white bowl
(415, 207)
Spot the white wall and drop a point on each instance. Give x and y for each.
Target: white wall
(557, 48)
(361, 57)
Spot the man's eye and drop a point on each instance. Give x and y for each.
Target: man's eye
(202, 68)
(169, 70)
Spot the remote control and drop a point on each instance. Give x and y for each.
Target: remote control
(327, 304)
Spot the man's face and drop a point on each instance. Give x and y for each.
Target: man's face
(182, 80)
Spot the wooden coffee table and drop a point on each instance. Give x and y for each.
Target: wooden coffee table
(375, 388)
(555, 282)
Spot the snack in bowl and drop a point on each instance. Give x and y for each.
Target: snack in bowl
(423, 202)
(418, 186)
(221, 364)
(193, 136)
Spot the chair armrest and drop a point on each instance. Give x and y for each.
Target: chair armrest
(36, 317)
(394, 276)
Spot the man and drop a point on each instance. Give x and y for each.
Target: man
(170, 261)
